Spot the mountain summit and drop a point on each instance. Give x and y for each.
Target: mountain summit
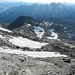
(20, 21)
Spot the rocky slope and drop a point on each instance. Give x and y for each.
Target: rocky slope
(12, 64)
(26, 26)
(37, 48)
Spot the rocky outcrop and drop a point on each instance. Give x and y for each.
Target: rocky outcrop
(13, 64)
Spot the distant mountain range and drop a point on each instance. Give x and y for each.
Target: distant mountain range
(55, 12)
(2, 9)
(8, 5)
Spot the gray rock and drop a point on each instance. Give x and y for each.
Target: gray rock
(67, 60)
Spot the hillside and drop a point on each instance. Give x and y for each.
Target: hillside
(37, 39)
(33, 45)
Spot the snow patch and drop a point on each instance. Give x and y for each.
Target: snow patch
(69, 45)
(53, 36)
(1, 36)
(24, 42)
(34, 54)
(6, 30)
(48, 23)
(28, 25)
(65, 28)
(51, 24)
(39, 31)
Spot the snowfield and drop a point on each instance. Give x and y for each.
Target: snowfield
(39, 31)
(24, 42)
(40, 34)
(53, 36)
(6, 30)
(34, 54)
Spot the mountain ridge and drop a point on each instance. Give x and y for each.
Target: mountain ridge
(20, 21)
(55, 12)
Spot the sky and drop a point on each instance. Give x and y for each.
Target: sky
(42, 1)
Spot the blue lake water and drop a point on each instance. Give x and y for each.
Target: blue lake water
(51, 30)
(38, 28)
(65, 31)
(70, 34)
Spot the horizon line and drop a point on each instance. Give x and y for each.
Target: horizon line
(33, 2)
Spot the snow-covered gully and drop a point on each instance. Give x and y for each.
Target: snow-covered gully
(24, 42)
(53, 36)
(34, 54)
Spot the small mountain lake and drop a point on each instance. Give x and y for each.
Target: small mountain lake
(51, 30)
(38, 28)
(70, 34)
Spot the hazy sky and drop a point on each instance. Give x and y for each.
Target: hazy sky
(47, 1)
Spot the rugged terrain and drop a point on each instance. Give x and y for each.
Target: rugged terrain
(13, 64)
(30, 47)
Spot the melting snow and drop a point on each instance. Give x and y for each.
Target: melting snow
(39, 34)
(28, 25)
(6, 30)
(1, 36)
(65, 28)
(24, 42)
(39, 31)
(53, 36)
(34, 54)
